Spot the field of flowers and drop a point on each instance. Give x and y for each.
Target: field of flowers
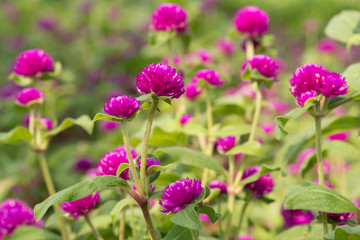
(190, 119)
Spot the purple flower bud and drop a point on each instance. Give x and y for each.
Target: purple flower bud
(191, 91)
(339, 217)
(149, 162)
(263, 185)
(210, 76)
(108, 126)
(185, 119)
(121, 106)
(111, 161)
(264, 64)
(14, 213)
(160, 79)
(296, 217)
(47, 123)
(180, 193)
(327, 45)
(33, 62)
(81, 206)
(226, 143)
(251, 21)
(169, 17)
(225, 46)
(83, 164)
(29, 95)
(218, 184)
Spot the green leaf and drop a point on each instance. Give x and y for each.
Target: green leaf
(156, 168)
(101, 116)
(234, 130)
(194, 129)
(352, 76)
(344, 232)
(281, 121)
(78, 191)
(122, 168)
(33, 233)
(338, 101)
(115, 212)
(53, 218)
(354, 40)
(185, 40)
(21, 80)
(338, 148)
(210, 212)
(302, 232)
(263, 170)
(83, 121)
(144, 97)
(343, 26)
(252, 148)
(191, 157)
(204, 194)
(17, 134)
(308, 164)
(160, 37)
(312, 196)
(187, 218)
(54, 73)
(178, 233)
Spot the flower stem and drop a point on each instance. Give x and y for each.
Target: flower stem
(146, 143)
(95, 232)
(145, 210)
(257, 112)
(51, 190)
(122, 225)
(242, 215)
(124, 130)
(32, 124)
(194, 234)
(249, 48)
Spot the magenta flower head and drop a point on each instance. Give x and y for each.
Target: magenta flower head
(33, 62)
(327, 45)
(218, 184)
(251, 21)
(339, 217)
(210, 76)
(262, 186)
(149, 162)
(29, 96)
(14, 213)
(185, 118)
(169, 17)
(81, 206)
(340, 136)
(226, 143)
(296, 217)
(160, 79)
(108, 126)
(180, 193)
(121, 106)
(265, 65)
(192, 91)
(110, 162)
(225, 46)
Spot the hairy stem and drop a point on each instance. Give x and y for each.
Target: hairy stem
(95, 232)
(242, 215)
(122, 225)
(32, 124)
(145, 210)
(257, 112)
(250, 50)
(194, 234)
(231, 196)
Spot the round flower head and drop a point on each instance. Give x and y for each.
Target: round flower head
(226, 143)
(339, 217)
(327, 45)
(296, 217)
(263, 185)
(108, 126)
(81, 206)
(210, 76)
(169, 17)
(218, 184)
(251, 21)
(149, 162)
(265, 65)
(33, 62)
(160, 79)
(47, 123)
(225, 46)
(185, 118)
(28, 96)
(82, 164)
(192, 91)
(110, 162)
(14, 213)
(121, 106)
(180, 193)
(333, 85)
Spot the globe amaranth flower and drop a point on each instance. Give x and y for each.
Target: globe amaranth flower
(108, 126)
(14, 213)
(225, 46)
(293, 217)
(33, 62)
(327, 45)
(29, 95)
(251, 21)
(262, 186)
(82, 164)
(210, 76)
(265, 65)
(160, 79)
(185, 118)
(121, 106)
(340, 136)
(310, 80)
(226, 143)
(81, 206)
(218, 184)
(46, 123)
(340, 217)
(111, 161)
(149, 162)
(268, 128)
(192, 91)
(169, 17)
(180, 193)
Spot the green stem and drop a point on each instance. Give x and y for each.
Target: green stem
(170, 56)
(145, 210)
(257, 111)
(122, 225)
(124, 130)
(231, 196)
(219, 200)
(250, 50)
(146, 143)
(51, 189)
(132, 219)
(242, 215)
(32, 124)
(95, 232)
(194, 234)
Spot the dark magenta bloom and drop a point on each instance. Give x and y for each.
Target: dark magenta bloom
(185, 118)
(14, 213)
(192, 91)
(226, 143)
(110, 162)
(296, 217)
(149, 162)
(160, 79)
(29, 95)
(333, 85)
(210, 76)
(81, 206)
(341, 136)
(251, 21)
(83, 164)
(33, 62)
(339, 217)
(264, 64)
(218, 184)
(180, 193)
(225, 46)
(169, 17)
(121, 106)
(47, 23)
(301, 99)
(262, 186)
